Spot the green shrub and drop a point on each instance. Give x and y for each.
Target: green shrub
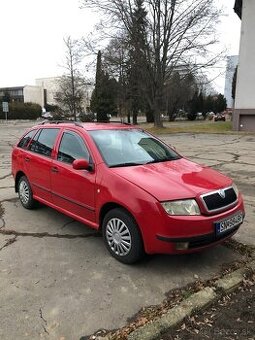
(51, 108)
(87, 117)
(57, 115)
(22, 111)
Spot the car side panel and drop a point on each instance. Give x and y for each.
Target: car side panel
(73, 190)
(38, 170)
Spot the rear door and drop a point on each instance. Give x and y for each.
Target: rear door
(73, 190)
(38, 162)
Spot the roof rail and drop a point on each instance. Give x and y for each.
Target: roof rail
(60, 122)
(117, 121)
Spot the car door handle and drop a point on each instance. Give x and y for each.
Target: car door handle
(54, 169)
(27, 159)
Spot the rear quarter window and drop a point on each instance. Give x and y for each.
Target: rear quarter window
(25, 140)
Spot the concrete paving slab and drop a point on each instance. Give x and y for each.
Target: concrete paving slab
(4, 240)
(40, 220)
(246, 234)
(79, 288)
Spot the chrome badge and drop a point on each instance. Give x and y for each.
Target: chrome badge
(222, 193)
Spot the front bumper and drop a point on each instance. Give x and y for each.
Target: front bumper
(185, 234)
(197, 242)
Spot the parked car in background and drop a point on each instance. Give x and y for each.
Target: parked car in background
(143, 195)
(219, 117)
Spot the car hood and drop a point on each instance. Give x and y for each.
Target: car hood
(174, 179)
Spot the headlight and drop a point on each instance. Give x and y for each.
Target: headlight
(235, 189)
(181, 207)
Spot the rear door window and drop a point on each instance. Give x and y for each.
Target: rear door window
(43, 141)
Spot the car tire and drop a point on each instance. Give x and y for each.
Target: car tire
(122, 236)
(25, 193)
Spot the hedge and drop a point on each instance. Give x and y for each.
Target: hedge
(22, 111)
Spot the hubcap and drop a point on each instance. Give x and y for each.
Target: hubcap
(24, 192)
(118, 237)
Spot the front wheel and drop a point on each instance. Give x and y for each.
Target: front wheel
(25, 193)
(122, 236)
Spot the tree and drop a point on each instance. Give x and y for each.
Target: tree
(137, 62)
(220, 103)
(209, 104)
(104, 94)
(178, 32)
(70, 95)
(124, 58)
(180, 91)
(71, 86)
(116, 62)
(195, 105)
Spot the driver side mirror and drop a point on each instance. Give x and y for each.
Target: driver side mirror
(82, 164)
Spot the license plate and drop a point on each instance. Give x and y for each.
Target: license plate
(228, 223)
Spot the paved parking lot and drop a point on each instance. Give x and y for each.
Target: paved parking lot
(57, 279)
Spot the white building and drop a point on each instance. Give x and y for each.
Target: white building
(51, 87)
(244, 110)
(24, 94)
(232, 62)
(43, 92)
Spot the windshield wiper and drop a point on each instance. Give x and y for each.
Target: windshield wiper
(163, 160)
(124, 164)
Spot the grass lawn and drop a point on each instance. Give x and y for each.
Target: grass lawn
(192, 127)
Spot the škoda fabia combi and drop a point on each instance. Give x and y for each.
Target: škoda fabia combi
(143, 195)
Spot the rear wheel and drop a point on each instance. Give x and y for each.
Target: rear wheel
(122, 236)
(25, 193)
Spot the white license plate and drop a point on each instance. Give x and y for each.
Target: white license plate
(229, 223)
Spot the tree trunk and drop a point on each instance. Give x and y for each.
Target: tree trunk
(149, 116)
(157, 118)
(157, 107)
(134, 117)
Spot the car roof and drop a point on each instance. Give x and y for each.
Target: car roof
(87, 126)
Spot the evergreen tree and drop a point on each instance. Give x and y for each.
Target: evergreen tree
(220, 103)
(194, 106)
(103, 97)
(179, 92)
(137, 59)
(209, 104)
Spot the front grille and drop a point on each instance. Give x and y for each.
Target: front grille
(219, 200)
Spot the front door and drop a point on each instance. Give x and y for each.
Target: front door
(73, 190)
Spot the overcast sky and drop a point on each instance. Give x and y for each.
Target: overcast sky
(32, 34)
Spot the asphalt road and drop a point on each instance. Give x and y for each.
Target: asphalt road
(57, 281)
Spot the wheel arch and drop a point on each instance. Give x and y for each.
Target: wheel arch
(105, 209)
(19, 174)
(110, 206)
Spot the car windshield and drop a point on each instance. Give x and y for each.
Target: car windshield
(129, 147)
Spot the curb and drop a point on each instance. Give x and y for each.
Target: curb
(174, 315)
(196, 301)
(155, 328)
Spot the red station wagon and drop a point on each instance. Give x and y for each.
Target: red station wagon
(118, 178)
